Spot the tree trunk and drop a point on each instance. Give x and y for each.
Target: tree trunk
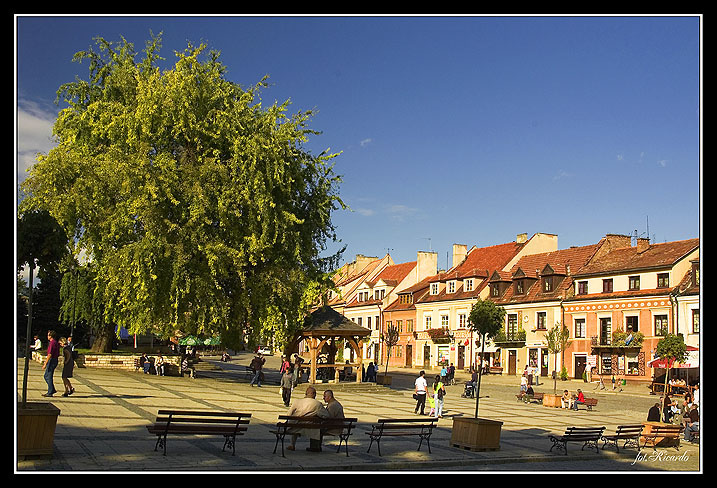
(105, 339)
(480, 373)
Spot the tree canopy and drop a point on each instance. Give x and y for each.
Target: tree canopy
(197, 208)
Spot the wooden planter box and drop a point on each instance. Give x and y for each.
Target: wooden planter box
(550, 400)
(36, 424)
(476, 434)
(383, 379)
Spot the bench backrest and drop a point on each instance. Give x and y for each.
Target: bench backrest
(665, 430)
(629, 429)
(584, 432)
(315, 421)
(431, 420)
(399, 424)
(202, 417)
(591, 401)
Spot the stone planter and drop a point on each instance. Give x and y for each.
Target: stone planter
(383, 379)
(36, 424)
(476, 434)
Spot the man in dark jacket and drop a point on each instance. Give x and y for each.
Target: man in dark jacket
(256, 364)
(653, 415)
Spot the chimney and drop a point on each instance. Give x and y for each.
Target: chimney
(426, 265)
(643, 244)
(616, 241)
(459, 253)
(362, 261)
(521, 238)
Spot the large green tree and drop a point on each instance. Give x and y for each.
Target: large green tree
(193, 203)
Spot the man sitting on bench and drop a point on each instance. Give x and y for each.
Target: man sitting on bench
(308, 406)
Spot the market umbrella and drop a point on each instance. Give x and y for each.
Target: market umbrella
(692, 361)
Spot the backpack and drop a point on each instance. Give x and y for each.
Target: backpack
(441, 393)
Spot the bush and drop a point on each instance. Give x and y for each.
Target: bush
(564, 374)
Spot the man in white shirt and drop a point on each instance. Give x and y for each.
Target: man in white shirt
(421, 386)
(308, 406)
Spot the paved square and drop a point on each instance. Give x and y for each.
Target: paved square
(101, 427)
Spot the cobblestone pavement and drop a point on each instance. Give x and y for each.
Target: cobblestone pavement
(101, 427)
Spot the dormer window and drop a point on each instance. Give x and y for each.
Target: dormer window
(434, 288)
(468, 284)
(519, 287)
(548, 284)
(379, 294)
(494, 290)
(451, 287)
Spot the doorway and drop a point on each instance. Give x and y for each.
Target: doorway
(461, 357)
(409, 355)
(426, 357)
(512, 361)
(580, 363)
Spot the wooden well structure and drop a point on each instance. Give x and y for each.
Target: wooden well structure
(322, 329)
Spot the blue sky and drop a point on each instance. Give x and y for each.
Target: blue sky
(451, 129)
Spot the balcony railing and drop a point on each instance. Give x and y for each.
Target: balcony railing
(509, 337)
(597, 341)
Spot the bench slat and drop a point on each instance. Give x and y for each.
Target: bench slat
(200, 413)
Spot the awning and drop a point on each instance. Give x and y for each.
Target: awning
(692, 361)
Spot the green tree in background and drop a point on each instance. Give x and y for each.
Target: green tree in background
(485, 318)
(557, 340)
(197, 208)
(672, 349)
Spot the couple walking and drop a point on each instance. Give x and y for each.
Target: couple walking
(435, 399)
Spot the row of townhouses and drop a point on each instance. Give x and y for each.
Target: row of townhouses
(617, 299)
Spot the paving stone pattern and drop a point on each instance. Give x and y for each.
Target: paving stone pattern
(101, 427)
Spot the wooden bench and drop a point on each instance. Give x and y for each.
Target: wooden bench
(589, 403)
(629, 433)
(423, 428)
(659, 433)
(288, 425)
(495, 370)
(526, 398)
(589, 436)
(228, 424)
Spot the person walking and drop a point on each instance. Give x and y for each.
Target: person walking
(287, 384)
(257, 364)
(420, 392)
(53, 354)
(439, 391)
(67, 367)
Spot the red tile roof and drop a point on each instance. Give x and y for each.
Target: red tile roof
(394, 274)
(555, 263)
(626, 259)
